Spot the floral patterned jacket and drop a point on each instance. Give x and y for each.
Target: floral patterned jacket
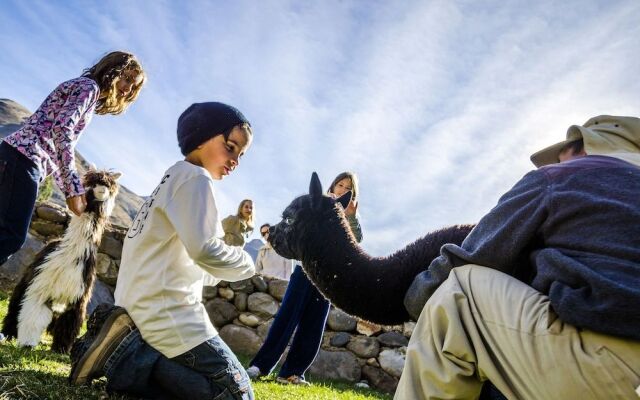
(48, 137)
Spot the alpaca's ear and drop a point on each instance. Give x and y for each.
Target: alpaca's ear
(116, 175)
(315, 190)
(345, 199)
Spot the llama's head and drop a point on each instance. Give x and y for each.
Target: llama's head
(101, 190)
(310, 223)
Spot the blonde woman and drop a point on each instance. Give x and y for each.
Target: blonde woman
(238, 228)
(45, 143)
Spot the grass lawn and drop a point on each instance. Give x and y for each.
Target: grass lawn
(42, 374)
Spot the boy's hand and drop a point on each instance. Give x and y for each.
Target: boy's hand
(77, 204)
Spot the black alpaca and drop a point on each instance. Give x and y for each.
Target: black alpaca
(314, 230)
(55, 289)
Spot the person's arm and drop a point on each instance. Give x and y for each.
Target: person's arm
(231, 227)
(260, 261)
(228, 224)
(210, 280)
(288, 266)
(354, 224)
(496, 242)
(194, 215)
(78, 102)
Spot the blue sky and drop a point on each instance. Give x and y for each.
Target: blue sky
(436, 105)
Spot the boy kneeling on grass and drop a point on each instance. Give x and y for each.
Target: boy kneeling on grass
(158, 341)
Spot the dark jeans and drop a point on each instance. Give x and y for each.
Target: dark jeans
(19, 178)
(302, 307)
(208, 371)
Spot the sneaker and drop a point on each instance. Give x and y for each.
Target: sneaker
(98, 316)
(106, 328)
(254, 372)
(94, 324)
(293, 380)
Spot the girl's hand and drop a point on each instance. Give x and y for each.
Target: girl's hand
(352, 207)
(77, 204)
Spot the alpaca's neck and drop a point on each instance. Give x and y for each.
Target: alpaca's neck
(84, 229)
(354, 281)
(339, 249)
(372, 288)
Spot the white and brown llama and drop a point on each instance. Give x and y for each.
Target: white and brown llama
(55, 289)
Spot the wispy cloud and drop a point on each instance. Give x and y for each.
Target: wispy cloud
(436, 105)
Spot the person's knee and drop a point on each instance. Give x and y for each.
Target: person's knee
(462, 282)
(488, 283)
(11, 242)
(472, 278)
(233, 385)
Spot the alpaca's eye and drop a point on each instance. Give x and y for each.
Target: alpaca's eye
(288, 221)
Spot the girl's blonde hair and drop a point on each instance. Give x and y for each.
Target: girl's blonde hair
(239, 213)
(107, 72)
(354, 183)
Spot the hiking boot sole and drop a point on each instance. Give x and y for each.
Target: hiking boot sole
(113, 331)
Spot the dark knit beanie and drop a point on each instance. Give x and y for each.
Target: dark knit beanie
(202, 121)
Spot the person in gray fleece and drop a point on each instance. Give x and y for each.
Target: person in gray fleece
(543, 297)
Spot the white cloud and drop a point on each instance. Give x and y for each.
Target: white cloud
(436, 105)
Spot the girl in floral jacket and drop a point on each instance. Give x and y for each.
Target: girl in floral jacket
(45, 143)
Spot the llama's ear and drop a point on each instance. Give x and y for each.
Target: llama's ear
(345, 199)
(315, 190)
(116, 175)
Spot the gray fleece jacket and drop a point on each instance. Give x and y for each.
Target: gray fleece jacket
(571, 231)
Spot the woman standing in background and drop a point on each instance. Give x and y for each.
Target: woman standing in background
(238, 228)
(303, 310)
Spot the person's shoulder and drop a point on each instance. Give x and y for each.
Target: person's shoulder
(186, 170)
(81, 83)
(586, 163)
(182, 173)
(231, 218)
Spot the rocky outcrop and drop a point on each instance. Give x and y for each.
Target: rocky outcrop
(11, 116)
(12, 270)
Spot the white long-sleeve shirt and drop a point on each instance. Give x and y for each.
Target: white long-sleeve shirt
(270, 263)
(173, 246)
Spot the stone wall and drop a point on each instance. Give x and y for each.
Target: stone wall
(243, 311)
(351, 350)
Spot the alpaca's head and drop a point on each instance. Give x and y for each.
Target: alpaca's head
(101, 190)
(310, 223)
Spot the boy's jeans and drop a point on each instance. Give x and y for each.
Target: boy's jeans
(208, 371)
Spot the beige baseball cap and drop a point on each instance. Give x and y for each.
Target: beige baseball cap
(605, 134)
